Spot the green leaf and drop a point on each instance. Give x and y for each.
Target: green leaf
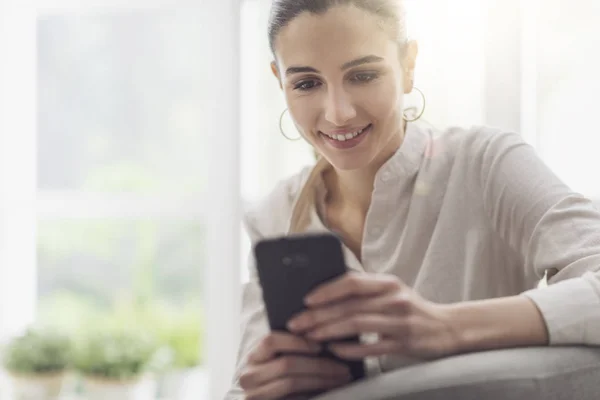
(38, 351)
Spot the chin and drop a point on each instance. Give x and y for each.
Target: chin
(350, 154)
(348, 163)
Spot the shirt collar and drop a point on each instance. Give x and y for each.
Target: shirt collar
(407, 159)
(404, 164)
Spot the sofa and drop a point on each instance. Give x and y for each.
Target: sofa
(532, 373)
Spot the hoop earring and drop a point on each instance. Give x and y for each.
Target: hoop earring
(422, 111)
(281, 128)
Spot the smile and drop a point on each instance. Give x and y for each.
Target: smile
(347, 136)
(348, 140)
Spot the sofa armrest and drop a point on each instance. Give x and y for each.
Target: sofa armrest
(533, 373)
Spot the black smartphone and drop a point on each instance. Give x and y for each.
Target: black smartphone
(289, 268)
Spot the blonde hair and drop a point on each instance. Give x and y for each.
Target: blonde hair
(305, 200)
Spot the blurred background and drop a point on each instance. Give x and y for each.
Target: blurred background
(134, 133)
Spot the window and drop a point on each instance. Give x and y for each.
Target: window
(119, 134)
(113, 127)
(120, 147)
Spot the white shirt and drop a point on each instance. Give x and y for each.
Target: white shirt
(460, 215)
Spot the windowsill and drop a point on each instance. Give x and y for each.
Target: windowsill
(196, 390)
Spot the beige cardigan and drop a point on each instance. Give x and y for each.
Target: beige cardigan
(459, 215)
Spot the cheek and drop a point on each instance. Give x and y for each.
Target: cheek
(304, 111)
(385, 102)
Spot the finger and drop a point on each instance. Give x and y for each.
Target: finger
(393, 304)
(283, 388)
(259, 375)
(351, 285)
(356, 325)
(360, 351)
(279, 342)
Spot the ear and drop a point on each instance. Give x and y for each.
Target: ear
(275, 71)
(409, 61)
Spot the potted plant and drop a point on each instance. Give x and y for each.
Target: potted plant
(183, 337)
(36, 363)
(117, 365)
(179, 334)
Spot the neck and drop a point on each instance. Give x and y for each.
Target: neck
(353, 189)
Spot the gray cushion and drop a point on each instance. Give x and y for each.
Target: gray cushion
(536, 373)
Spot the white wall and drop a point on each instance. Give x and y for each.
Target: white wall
(503, 64)
(17, 166)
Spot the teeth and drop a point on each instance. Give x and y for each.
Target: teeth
(347, 136)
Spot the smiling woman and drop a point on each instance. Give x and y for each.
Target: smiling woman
(455, 93)
(444, 231)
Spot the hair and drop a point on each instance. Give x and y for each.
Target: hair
(391, 14)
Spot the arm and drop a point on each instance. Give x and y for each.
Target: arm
(556, 231)
(537, 215)
(497, 323)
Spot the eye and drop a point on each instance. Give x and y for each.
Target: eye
(364, 77)
(307, 85)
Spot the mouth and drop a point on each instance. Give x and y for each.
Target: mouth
(346, 140)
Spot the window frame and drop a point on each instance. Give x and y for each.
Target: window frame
(21, 204)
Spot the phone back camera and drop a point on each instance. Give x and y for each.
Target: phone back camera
(296, 261)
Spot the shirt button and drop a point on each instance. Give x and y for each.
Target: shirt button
(386, 177)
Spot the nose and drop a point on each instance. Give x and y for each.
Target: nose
(339, 108)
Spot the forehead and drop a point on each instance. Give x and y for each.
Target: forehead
(331, 39)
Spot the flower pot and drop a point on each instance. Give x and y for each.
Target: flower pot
(36, 387)
(184, 384)
(143, 388)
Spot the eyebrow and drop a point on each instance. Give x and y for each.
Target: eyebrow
(354, 63)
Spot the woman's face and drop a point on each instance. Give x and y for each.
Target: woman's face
(344, 82)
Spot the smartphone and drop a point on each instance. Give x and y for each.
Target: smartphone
(291, 267)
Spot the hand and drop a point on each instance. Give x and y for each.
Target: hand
(356, 303)
(283, 364)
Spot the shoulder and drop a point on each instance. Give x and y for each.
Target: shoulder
(480, 139)
(474, 143)
(270, 216)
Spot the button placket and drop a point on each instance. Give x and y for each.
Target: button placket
(377, 216)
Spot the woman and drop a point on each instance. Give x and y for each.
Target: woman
(447, 235)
